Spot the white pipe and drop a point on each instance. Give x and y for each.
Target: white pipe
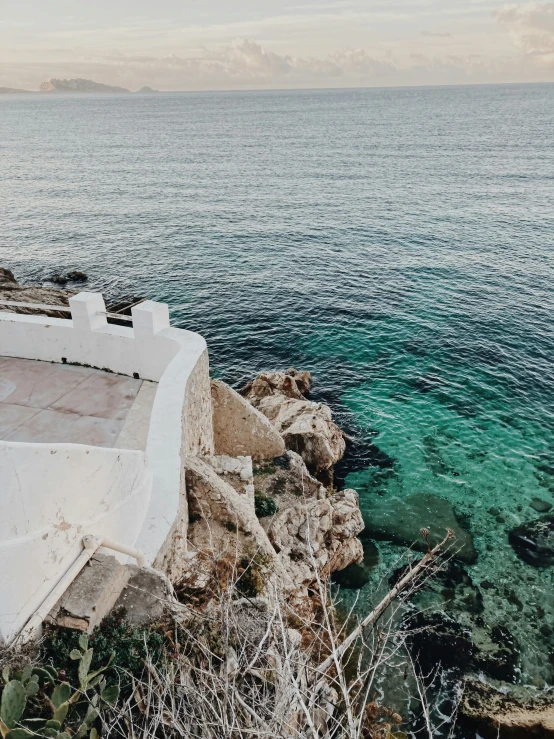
(91, 544)
(131, 551)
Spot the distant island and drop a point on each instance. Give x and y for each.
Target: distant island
(8, 90)
(75, 85)
(78, 85)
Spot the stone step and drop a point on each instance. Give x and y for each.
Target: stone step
(92, 594)
(145, 597)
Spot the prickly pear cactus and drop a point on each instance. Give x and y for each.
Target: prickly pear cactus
(14, 700)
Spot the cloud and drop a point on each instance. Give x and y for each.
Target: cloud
(432, 34)
(531, 28)
(247, 64)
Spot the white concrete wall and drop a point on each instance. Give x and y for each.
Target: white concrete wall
(156, 519)
(88, 339)
(51, 495)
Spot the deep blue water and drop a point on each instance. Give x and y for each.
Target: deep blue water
(397, 243)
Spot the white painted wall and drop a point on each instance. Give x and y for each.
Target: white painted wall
(87, 338)
(52, 495)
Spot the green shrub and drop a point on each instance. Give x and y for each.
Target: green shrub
(264, 506)
(114, 635)
(38, 701)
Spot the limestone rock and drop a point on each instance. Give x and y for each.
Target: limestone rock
(222, 522)
(358, 574)
(498, 715)
(237, 471)
(239, 429)
(400, 520)
(533, 541)
(306, 427)
(286, 478)
(290, 384)
(318, 534)
(11, 290)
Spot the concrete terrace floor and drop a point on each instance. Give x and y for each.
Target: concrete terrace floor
(45, 402)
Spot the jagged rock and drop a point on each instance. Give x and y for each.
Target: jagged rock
(59, 279)
(306, 427)
(11, 290)
(240, 429)
(220, 519)
(318, 534)
(286, 477)
(400, 520)
(307, 532)
(290, 384)
(533, 541)
(6, 276)
(355, 575)
(498, 715)
(77, 276)
(237, 471)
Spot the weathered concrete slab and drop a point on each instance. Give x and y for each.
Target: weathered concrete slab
(48, 402)
(240, 429)
(145, 596)
(92, 594)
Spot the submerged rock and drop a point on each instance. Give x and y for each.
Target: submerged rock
(59, 279)
(441, 638)
(358, 574)
(533, 541)
(77, 276)
(541, 506)
(400, 520)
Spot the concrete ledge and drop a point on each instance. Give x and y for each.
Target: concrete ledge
(92, 594)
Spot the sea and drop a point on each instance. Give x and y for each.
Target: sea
(397, 243)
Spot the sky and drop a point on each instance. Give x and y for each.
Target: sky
(266, 44)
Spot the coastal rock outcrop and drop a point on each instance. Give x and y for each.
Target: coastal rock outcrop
(318, 536)
(306, 427)
(308, 532)
(11, 290)
(498, 715)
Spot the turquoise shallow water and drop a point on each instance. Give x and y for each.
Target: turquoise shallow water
(397, 243)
